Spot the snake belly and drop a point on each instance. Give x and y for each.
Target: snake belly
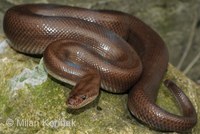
(115, 48)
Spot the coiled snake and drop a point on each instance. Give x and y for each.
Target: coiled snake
(99, 48)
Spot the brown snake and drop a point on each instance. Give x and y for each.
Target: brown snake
(93, 48)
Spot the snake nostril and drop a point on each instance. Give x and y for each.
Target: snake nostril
(70, 101)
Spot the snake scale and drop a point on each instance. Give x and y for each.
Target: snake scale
(100, 48)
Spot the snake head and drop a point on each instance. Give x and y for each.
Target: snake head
(78, 101)
(85, 91)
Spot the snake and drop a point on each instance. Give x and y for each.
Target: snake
(100, 49)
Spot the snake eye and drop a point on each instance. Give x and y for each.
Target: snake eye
(83, 97)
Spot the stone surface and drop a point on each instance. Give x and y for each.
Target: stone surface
(41, 108)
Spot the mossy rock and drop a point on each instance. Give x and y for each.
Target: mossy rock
(39, 107)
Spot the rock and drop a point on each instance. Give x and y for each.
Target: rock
(40, 108)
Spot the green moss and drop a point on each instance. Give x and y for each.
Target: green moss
(108, 114)
(41, 107)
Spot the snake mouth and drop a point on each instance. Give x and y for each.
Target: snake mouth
(76, 102)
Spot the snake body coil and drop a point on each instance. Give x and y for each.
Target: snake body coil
(93, 48)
